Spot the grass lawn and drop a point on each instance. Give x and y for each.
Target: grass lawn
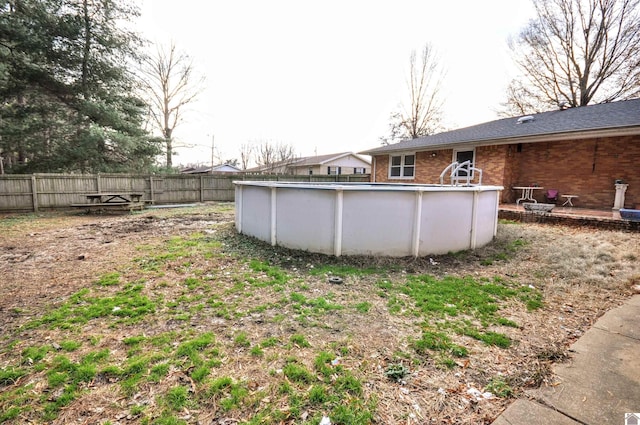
(170, 317)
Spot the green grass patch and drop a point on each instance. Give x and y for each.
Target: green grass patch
(128, 305)
(256, 351)
(193, 348)
(177, 398)
(467, 306)
(242, 340)
(322, 363)
(270, 342)
(297, 373)
(9, 375)
(299, 340)
(69, 345)
(177, 248)
(363, 307)
(438, 341)
(109, 279)
(32, 355)
(276, 275)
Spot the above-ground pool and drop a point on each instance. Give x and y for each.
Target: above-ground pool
(368, 218)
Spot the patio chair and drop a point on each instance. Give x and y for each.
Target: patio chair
(552, 195)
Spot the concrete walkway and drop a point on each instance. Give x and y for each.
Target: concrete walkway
(598, 385)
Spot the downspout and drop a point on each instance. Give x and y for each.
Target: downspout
(373, 170)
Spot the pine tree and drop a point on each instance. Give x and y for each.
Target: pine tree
(67, 102)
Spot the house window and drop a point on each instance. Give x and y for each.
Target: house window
(463, 156)
(359, 170)
(333, 171)
(310, 171)
(402, 166)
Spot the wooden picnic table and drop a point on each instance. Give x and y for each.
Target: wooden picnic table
(115, 197)
(112, 201)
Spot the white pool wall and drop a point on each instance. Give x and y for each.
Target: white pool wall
(368, 219)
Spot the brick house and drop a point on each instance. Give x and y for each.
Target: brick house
(581, 151)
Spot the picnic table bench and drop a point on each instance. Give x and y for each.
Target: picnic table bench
(112, 201)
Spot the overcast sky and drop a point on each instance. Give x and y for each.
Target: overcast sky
(323, 76)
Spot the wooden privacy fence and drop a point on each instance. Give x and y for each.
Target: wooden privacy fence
(33, 192)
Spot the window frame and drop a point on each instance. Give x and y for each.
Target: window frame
(402, 166)
(338, 170)
(473, 161)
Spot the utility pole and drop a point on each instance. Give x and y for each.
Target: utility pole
(212, 145)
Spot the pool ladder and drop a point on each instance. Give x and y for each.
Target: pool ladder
(461, 180)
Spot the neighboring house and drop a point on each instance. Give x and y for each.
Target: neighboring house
(222, 168)
(332, 164)
(581, 151)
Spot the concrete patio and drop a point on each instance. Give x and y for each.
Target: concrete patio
(571, 216)
(598, 385)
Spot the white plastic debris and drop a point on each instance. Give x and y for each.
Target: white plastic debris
(433, 262)
(474, 392)
(478, 395)
(325, 421)
(442, 391)
(116, 309)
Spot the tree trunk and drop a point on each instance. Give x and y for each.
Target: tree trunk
(169, 145)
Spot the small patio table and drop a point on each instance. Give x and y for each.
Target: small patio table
(569, 198)
(527, 193)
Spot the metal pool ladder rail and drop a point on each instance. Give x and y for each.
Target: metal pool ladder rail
(454, 173)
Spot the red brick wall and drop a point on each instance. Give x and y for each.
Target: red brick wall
(428, 167)
(587, 168)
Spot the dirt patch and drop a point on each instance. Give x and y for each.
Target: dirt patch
(44, 260)
(268, 308)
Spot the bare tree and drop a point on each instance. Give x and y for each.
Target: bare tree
(577, 52)
(520, 101)
(422, 115)
(284, 152)
(275, 156)
(266, 154)
(170, 84)
(246, 154)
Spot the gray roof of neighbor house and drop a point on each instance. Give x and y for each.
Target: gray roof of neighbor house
(601, 120)
(306, 161)
(321, 159)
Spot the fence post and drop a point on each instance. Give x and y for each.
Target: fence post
(98, 183)
(201, 188)
(151, 190)
(34, 192)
